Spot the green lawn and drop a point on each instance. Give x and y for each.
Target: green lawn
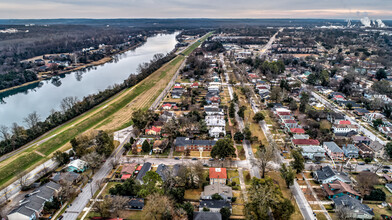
(233, 173)
(18, 166)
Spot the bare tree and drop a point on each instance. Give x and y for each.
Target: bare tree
(365, 181)
(266, 154)
(154, 211)
(67, 189)
(4, 132)
(119, 203)
(94, 160)
(22, 179)
(68, 102)
(103, 207)
(114, 162)
(32, 119)
(343, 213)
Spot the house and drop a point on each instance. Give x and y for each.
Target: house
(167, 106)
(22, 213)
(218, 175)
(290, 123)
(69, 176)
(333, 150)
(127, 171)
(207, 216)
(365, 151)
(300, 136)
(184, 143)
(139, 143)
(344, 128)
(370, 117)
(338, 188)
(313, 152)
(357, 210)
(167, 116)
(77, 165)
(164, 171)
(214, 205)
(327, 175)
(378, 149)
(31, 207)
(213, 110)
(361, 111)
(135, 204)
(345, 122)
(223, 190)
(145, 168)
(350, 151)
(153, 131)
(388, 185)
(297, 131)
(195, 85)
(215, 122)
(361, 139)
(217, 132)
(335, 118)
(305, 142)
(160, 145)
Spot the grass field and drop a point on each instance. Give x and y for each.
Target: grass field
(106, 116)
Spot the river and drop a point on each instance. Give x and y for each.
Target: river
(46, 95)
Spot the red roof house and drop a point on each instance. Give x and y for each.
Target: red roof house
(167, 106)
(297, 130)
(344, 122)
(218, 175)
(305, 142)
(153, 131)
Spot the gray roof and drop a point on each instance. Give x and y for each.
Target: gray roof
(332, 146)
(162, 171)
(221, 189)
(215, 204)
(327, 172)
(207, 216)
(352, 204)
(376, 146)
(53, 185)
(23, 210)
(37, 206)
(183, 141)
(146, 167)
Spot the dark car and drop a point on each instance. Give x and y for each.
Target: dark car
(211, 159)
(206, 165)
(385, 171)
(176, 158)
(361, 163)
(194, 158)
(368, 170)
(386, 167)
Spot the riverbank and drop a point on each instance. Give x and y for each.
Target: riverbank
(81, 67)
(138, 96)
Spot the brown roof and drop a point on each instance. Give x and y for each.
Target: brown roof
(339, 187)
(128, 168)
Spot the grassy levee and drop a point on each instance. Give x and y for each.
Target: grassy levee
(26, 160)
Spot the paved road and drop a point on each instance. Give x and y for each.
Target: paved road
(77, 206)
(352, 120)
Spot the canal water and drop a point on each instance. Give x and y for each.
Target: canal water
(46, 95)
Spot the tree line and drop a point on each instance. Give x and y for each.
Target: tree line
(17, 135)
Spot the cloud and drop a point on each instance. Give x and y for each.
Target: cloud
(194, 8)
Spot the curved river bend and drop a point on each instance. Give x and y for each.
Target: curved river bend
(46, 95)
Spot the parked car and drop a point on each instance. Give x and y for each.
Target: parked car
(386, 167)
(211, 159)
(385, 171)
(206, 165)
(361, 163)
(194, 158)
(176, 158)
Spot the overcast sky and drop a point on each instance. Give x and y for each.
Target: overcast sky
(195, 9)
